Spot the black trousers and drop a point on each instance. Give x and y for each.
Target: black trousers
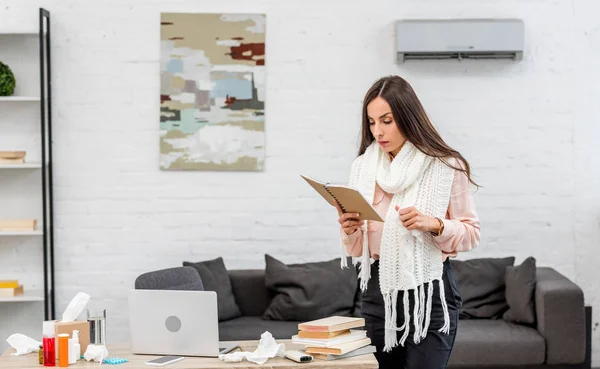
(433, 351)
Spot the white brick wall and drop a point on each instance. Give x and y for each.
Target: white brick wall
(529, 129)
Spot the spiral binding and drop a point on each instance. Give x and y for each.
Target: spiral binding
(335, 198)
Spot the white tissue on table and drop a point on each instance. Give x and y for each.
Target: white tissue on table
(23, 344)
(96, 353)
(267, 349)
(75, 307)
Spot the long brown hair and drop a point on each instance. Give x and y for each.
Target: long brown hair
(412, 121)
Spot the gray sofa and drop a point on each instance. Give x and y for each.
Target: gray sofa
(560, 339)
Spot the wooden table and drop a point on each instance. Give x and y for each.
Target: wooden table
(30, 361)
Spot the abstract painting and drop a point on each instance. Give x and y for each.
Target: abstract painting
(212, 91)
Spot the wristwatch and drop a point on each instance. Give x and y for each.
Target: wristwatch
(440, 229)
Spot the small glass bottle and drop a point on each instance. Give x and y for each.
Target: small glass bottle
(49, 343)
(41, 355)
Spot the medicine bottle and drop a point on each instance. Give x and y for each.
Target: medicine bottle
(49, 343)
(63, 350)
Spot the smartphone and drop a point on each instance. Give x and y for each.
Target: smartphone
(164, 360)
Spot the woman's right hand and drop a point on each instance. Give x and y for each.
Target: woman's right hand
(348, 221)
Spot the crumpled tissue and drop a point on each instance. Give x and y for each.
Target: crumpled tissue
(267, 348)
(95, 352)
(23, 344)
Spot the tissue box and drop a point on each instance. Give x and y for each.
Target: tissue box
(80, 325)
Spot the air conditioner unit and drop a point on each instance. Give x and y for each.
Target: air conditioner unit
(459, 39)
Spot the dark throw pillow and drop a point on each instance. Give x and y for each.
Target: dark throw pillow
(215, 277)
(309, 291)
(481, 283)
(520, 287)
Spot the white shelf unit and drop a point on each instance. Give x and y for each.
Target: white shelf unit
(19, 98)
(24, 31)
(21, 166)
(26, 189)
(36, 232)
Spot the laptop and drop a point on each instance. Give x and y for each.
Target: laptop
(168, 322)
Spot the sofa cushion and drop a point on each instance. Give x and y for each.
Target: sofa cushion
(496, 342)
(215, 277)
(481, 283)
(309, 291)
(251, 294)
(251, 327)
(520, 288)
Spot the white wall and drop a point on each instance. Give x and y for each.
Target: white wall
(529, 130)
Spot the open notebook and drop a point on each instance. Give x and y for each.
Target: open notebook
(350, 200)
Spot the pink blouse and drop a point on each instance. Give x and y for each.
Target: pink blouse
(461, 224)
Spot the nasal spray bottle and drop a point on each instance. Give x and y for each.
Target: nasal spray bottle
(74, 348)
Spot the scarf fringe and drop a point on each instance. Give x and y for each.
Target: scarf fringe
(406, 325)
(365, 264)
(446, 327)
(421, 317)
(417, 314)
(344, 257)
(428, 310)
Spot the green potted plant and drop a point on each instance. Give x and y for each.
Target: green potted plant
(7, 80)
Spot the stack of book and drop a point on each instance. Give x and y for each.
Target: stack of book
(18, 224)
(12, 157)
(335, 337)
(10, 288)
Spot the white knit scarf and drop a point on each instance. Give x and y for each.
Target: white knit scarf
(408, 259)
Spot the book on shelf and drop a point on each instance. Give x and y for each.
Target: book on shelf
(332, 324)
(349, 199)
(12, 161)
(369, 349)
(18, 224)
(11, 283)
(12, 156)
(11, 292)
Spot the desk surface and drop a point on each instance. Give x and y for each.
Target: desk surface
(30, 361)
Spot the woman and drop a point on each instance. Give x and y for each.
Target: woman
(420, 187)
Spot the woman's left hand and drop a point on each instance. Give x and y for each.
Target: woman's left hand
(411, 218)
